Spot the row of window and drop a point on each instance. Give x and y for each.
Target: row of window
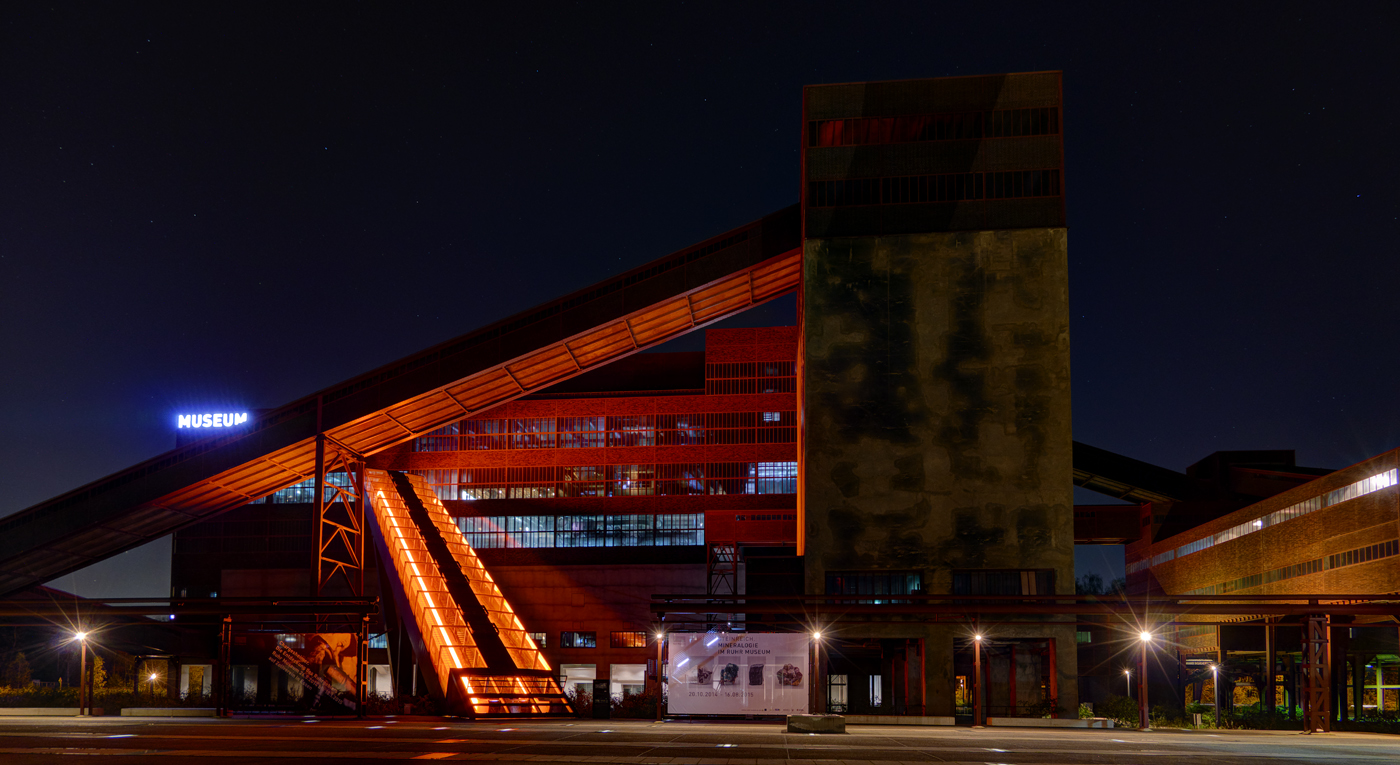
(1383, 480)
(966, 126)
(968, 582)
(550, 481)
(305, 492)
(616, 431)
(536, 531)
(636, 639)
(1338, 560)
(947, 187)
(746, 377)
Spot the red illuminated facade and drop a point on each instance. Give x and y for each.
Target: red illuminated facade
(657, 473)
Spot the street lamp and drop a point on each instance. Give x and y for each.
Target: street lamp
(660, 641)
(152, 678)
(1128, 680)
(1215, 691)
(977, 680)
(1146, 639)
(81, 637)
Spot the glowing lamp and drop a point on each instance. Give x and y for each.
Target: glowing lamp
(80, 635)
(1146, 636)
(816, 636)
(977, 638)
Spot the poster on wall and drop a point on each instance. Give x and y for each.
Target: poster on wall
(727, 673)
(324, 663)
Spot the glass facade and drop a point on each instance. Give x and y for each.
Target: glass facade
(536, 531)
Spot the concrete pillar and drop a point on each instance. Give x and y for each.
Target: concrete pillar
(939, 680)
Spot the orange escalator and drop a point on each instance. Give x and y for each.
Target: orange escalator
(483, 661)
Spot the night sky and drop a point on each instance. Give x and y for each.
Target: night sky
(207, 209)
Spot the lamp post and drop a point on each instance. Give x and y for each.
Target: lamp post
(1128, 681)
(818, 692)
(1146, 639)
(977, 680)
(1215, 691)
(152, 678)
(660, 641)
(82, 674)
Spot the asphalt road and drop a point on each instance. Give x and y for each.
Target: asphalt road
(284, 741)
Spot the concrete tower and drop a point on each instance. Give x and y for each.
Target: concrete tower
(935, 366)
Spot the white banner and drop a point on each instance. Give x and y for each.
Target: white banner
(728, 673)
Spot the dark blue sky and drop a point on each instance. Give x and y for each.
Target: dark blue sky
(218, 205)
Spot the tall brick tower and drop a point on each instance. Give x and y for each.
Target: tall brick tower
(935, 365)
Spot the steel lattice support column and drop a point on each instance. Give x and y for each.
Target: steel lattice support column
(1317, 676)
(340, 518)
(722, 574)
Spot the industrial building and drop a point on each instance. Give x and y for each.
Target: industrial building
(883, 492)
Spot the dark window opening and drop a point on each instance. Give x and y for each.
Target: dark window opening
(578, 640)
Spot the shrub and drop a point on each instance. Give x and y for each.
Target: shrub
(1122, 710)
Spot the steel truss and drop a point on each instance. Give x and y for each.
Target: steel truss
(340, 517)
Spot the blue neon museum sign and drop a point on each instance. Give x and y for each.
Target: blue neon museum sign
(214, 420)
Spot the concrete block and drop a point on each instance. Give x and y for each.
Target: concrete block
(45, 712)
(168, 712)
(816, 724)
(899, 720)
(1048, 722)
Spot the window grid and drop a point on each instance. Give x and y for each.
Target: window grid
(922, 189)
(1383, 480)
(628, 640)
(542, 482)
(545, 531)
(1338, 560)
(966, 126)
(578, 640)
(874, 583)
(632, 430)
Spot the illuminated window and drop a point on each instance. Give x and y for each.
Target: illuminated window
(876, 690)
(628, 640)
(631, 480)
(629, 530)
(776, 478)
(836, 693)
(582, 432)
(635, 430)
(680, 529)
(444, 439)
(578, 640)
(580, 531)
(533, 433)
(537, 482)
(583, 481)
(538, 637)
